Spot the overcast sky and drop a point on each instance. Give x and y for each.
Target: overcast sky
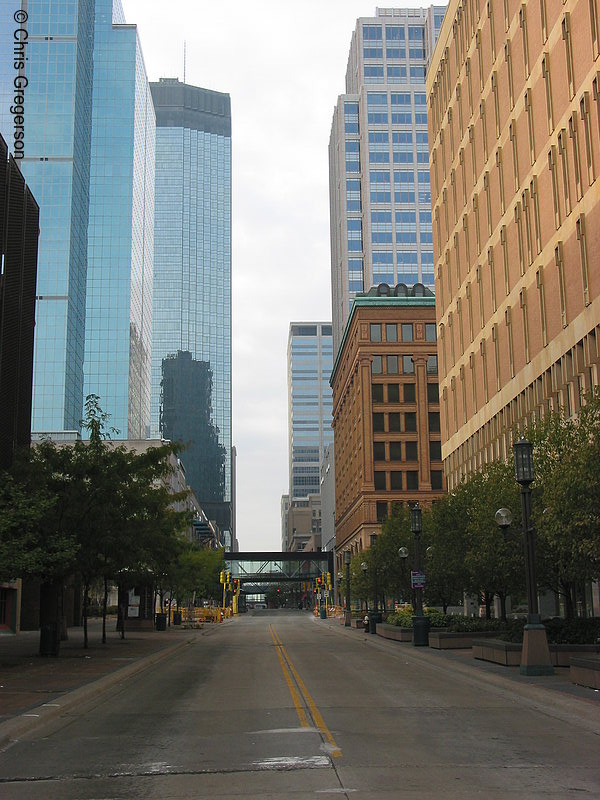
(284, 65)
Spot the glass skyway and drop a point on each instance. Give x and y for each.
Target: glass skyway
(278, 567)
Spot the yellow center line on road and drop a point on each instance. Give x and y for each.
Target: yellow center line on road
(288, 679)
(315, 713)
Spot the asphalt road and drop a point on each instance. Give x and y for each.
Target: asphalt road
(282, 705)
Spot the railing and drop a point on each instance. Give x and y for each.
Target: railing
(192, 617)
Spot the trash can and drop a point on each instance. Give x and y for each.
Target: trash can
(177, 618)
(161, 622)
(323, 612)
(49, 639)
(374, 617)
(420, 631)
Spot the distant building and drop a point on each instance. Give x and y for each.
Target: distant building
(379, 188)
(386, 412)
(285, 506)
(328, 499)
(304, 524)
(309, 363)
(192, 273)
(514, 103)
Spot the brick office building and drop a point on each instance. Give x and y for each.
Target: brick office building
(514, 111)
(386, 415)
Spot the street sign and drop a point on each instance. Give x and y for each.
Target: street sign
(326, 593)
(417, 579)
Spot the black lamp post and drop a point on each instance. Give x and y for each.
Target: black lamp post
(348, 613)
(403, 553)
(420, 621)
(535, 657)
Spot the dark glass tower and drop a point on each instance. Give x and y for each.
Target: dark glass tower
(192, 273)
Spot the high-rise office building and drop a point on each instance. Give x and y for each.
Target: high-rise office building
(379, 161)
(118, 328)
(514, 103)
(192, 256)
(57, 43)
(88, 159)
(309, 361)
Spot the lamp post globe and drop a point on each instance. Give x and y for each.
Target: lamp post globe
(347, 612)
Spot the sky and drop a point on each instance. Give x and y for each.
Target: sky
(283, 64)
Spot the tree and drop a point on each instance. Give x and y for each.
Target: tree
(445, 568)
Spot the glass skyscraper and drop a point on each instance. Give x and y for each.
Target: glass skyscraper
(89, 160)
(118, 342)
(380, 209)
(309, 363)
(192, 253)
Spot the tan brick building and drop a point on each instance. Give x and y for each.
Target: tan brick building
(514, 136)
(386, 413)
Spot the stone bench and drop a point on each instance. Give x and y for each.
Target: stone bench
(497, 651)
(585, 671)
(457, 640)
(394, 632)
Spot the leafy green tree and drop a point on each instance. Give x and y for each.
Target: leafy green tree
(445, 568)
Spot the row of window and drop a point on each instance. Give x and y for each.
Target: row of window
(405, 422)
(408, 393)
(406, 332)
(376, 74)
(404, 451)
(393, 33)
(393, 53)
(405, 480)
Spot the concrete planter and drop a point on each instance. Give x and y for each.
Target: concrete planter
(394, 632)
(585, 671)
(509, 653)
(457, 640)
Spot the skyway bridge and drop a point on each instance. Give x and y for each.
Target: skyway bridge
(259, 569)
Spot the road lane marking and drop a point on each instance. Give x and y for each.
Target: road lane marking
(288, 679)
(315, 713)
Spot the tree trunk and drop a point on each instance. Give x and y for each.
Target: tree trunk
(104, 604)
(86, 600)
(569, 608)
(583, 601)
(502, 596)
(487, 598)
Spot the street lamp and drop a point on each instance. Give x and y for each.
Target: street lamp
(503, 518)
(403, 553)
(535, 656)
(420, 621)
(347, 613)
(340, 578)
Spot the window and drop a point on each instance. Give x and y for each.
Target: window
(395, 451)
(410, 421)
(435, 451)
(434, 421)
(394, 422)
(412, 481)
(408, 365)
(555, 197)
(393, 391)
(377, 365)
(539, 279)
(378, 451)
(377, 392)
(378, 423)
(564, 160)
(432, 365)
(412, 451)
(433, 393)
(525, 320)
(585, 271)
(382, 510)
(584, 111)
(566, 35)
(379, 479)
(391, 333)
(407, 332)
(574, 136)
(523, 25)
(392, 365)
(396, 481)
(410, 394)
(436, 479)
(548, 87)
(430, 332)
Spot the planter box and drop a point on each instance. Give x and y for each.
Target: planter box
(499, 652)
(585, 671)
(509, 653)
(394, 632)
(457, 640)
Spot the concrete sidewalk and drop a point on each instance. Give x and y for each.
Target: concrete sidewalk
(34, 688)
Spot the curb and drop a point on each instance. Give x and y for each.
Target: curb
(13, 729)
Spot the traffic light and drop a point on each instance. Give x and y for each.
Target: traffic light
(221, 577)
(235, 585)
(229, 577)
(329, 580)
(278, 590)
(319, 580)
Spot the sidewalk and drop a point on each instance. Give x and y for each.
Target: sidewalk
(32, 687)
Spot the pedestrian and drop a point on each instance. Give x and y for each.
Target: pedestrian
(366, 622)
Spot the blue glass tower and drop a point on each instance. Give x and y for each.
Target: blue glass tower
(192, 256)
(58, 130)
(89, 160)
(118, 341)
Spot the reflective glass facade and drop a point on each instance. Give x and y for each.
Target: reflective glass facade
(192, 245)
(58, 121)
(121, 227)
(381, 229)
(310, 362)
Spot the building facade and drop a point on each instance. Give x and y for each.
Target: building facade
(514, 106)
(304, 524)
(380, 213)
(192, 255)
(309, 363)
(386, 412)
(118, 325)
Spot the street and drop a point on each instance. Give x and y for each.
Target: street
(280, 704)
